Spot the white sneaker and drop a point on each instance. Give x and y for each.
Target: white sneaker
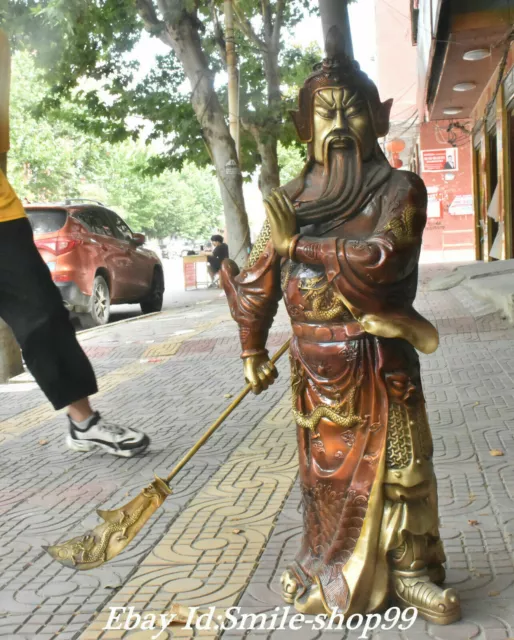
(119, 441)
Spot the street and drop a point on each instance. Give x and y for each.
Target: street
(233, 521)
(174, 295)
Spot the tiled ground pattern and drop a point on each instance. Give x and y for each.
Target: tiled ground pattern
(48, 493)
(197, 551)
(469, 387)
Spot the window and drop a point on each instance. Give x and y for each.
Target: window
(46, 220)
(95, 222)
(121, 230)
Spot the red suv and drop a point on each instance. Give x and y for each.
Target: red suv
(95, 259)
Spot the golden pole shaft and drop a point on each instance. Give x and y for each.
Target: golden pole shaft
(221, 419)
(104, 542)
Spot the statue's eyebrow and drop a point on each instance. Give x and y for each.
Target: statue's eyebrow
(328, 105)
(354, 100)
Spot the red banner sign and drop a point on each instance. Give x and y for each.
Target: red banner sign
(190, 275)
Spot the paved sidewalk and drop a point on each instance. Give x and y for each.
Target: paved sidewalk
(233, 521)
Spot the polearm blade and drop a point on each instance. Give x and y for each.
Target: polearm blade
(110, 538)
(120, 526)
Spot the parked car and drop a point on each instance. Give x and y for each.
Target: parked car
(95, 259)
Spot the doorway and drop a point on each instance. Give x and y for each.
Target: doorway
(493, 208)
(479, 201)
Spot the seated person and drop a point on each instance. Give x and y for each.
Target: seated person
(219, 253)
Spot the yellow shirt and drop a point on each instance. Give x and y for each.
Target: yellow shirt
(10, 205)
(5, 81)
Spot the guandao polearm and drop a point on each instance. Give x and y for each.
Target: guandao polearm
(120, 526)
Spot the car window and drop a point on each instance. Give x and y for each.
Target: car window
(46, 220)
(121, 229)
(95, 222)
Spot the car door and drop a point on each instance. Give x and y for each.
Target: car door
(139, 269)
(109, 253)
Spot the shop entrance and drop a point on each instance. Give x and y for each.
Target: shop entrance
(493, 208)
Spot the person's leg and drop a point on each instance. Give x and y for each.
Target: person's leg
(80, 410)
(31, 305)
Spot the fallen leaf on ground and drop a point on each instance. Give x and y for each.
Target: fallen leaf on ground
(114, 587)
(472, 497)
(181, 613)
(473, 522)
(493, 594)
(43, 441)
(496, 452)
(237, 531)
(227, 395)
(476, 404)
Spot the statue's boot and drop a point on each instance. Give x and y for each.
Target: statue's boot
(436, 573)
(299, 590)
(435, 559)
(290, 586)
(412, 585)
(310, 602)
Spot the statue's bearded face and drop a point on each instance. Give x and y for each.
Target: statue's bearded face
(341, 122)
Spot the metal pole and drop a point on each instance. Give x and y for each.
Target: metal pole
(233, 80)
(334, 13)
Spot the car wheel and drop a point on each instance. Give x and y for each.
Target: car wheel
(154, 301)
(100, 310)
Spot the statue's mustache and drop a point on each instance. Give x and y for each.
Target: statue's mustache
(341, 140)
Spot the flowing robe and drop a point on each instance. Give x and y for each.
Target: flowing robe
(365, 449)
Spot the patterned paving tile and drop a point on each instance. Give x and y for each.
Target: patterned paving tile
(234, 519)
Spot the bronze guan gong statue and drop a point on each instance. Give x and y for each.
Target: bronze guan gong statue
(341, 245)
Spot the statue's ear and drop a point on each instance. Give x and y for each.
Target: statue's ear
(382, 118)
(302, 117)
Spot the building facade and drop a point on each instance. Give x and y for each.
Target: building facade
(465, 99)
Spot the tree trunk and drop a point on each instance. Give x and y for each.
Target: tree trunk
(270, 172)
(184, 40)
(267, 138)
(335, 13)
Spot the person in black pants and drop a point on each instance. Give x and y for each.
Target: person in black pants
(32, 306)
(219, 254)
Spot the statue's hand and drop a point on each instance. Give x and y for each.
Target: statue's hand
(282, 219)
(259, 372)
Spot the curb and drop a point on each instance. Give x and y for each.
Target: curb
(125, 320)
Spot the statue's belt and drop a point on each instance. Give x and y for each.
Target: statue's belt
(328, 333)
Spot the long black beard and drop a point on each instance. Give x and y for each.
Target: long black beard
(348, 185)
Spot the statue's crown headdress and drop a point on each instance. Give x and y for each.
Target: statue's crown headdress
(339, 70)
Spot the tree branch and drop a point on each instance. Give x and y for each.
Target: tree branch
(153, 25)
(218, 33)
(148, 15)
(266, 18)
(247, 28)
(279, 20)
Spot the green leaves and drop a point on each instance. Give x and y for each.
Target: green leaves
(81, 43)
(52, 159)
